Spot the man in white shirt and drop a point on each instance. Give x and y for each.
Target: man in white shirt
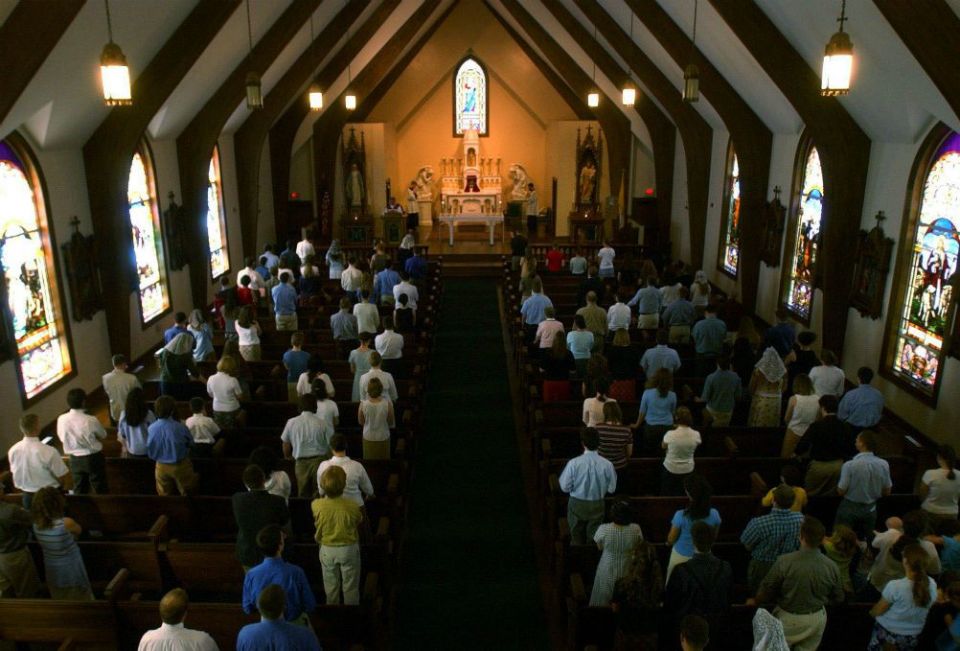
(117, 384)
(172, 636)
(390, 345)
(34, 464)
(306, 439)
(389, 386)
(606, 256)
(408, 288)
(305, 246)
(618, 316)
(413, 207)
(351, 277)
(533, 209)
(368, 315)
(256, 280)
(81, 434)
(358, 481)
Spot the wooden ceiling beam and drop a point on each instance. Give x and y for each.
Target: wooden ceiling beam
(616, 125)
(195, 144)
(932, 34)
(107, 154)
(844, 154)
(696, 134)
(286, 105)
(27, 37)
(752, 139)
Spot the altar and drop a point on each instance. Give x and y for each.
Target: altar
(471, 189)
(491, 221)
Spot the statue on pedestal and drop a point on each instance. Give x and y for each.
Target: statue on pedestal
(355, 188)
(518, 175)
(353, 155)
(424, 183)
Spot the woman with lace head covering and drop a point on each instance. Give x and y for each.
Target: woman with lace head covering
(176, 366)
(334, 260)
(202, 336)
(700, 292)
(766, 387)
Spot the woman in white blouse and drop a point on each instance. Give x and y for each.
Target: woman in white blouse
(313, 374)
(680, 444)
(248, 334)
(802, 409)
(940, 487)
(224, 387)
(593, 407)
(828, 379)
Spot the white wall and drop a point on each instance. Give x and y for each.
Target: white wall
(266, 229)
(680, 212)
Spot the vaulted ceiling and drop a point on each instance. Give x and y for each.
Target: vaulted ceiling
(894, 98)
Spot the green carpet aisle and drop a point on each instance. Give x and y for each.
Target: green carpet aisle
(469, 574)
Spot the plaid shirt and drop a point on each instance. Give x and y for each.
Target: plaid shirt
(770, 536)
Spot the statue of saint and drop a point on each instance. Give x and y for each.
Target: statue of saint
(355, 187)
(588, 180)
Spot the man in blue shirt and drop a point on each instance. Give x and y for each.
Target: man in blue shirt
(272, 632)
(648, 301)
(272, 258)
(587, 479)
(862, 408)
(863, 481)
(709, 334)
(533, 309)
(416, 267)
(262, 268)
(273, 570)
(383, 284)
(660, 356)
(168, 445)
(721, 390)
(679, 317)
(781, 336)
(772, 535)
(179, 327)
(285, 303)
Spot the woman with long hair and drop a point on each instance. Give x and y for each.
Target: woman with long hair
(360, 363)
(66, 575)
(248, 334)
(226, 391)
(616, 541)
(624, 360)
(803, 409)
(278, 481)
(556, 365)
(132, 426)
(657, 405)
(376, 416)
(680, 444)
(593, 407)
(310, 282)
(699, 493)
(700, 292)
(315, 372)
(902, 610)
(940, 487)
(597, 369)
(202, 336)
(842, 548)
(636, 600)
(231, 348)
(334, 260)
(766, 388)
(176, 366)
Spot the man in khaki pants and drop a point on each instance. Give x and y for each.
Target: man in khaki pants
(168, 444)
(306, 438)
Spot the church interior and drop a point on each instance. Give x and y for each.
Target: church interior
(805, 169)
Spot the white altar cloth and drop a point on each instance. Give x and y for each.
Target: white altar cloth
(491, 220)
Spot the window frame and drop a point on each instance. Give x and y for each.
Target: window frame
(725, 213)
(913, 202)
(146, 155)
(470, 56)
(807, 145)
(225, 236)
(35, 177)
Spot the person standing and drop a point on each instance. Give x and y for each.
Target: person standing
(64, 571)
(648, 302)
(863, 481)
(18, 574)
(532, 208)
(273, 570)
(368, 315)
(179, 327)
(660, 356)
(117, 384)
(386, 379)
(547, 329)
(272, 631)
(902, 610)
(34, 464)
(827, 442)
(227, 392)
(940, 487)
(721, 391)
(306, 440)
(803, 408)
(358, 485)
(305, 246)
(337, 520)
(679, 316)
(254, 509)
(828, 379)
(413, 207)
(618, 316)
(376, 416)
(616, 440)
(383, 284)
(596, 320)
(766, 388)
(636, 600)
(680, 536)
(781, 336)
(617, 541)
(657, 405)
(202, 335)
(518, 249)
(703, 585)
(587, 479)
(606, 255)
(680, 444)
(133, 428)
(168, 445)
(801, 583)
(172, 635)
(862, 408)
(709, 335)
(285, 304)
(81, 434)
(770, 536)
(360, 363)
(344, 326)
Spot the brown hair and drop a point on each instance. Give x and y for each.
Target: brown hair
(683, 417)
(612, 412)
(296, 339)
(643, 582)
(844, 541)
(802, 386)
(914, 560)
(228, 365)
(558, 348)
(245, 317)
(29, 422)
(374, 387)
(47, 506)
(333, 481)
(173, 606)
(662, 381)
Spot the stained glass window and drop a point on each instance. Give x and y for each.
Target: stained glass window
(470, 97)
(216, 220)
(924, 313)
(147, 239)
(26, 255)
(730, 226)
(806, 240)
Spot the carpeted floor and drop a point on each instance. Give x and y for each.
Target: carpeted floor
(469, 577)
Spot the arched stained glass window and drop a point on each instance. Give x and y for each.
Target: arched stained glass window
(30, 277)
(216, 220)
(729, 261)
(801, 266)
(922, 311)
(147, 239)
(470, 98)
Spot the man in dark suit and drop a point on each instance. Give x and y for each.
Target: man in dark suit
(254, 509)
(592, 283)
(702, 586)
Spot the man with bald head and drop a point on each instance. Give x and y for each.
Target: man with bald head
(172, 636)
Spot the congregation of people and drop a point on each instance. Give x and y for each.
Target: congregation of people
(373, 311)
(632, 335)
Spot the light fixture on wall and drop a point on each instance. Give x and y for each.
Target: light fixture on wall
(314, 95)
(593, 95)
(254, 89)
(114, 73)
(691, 74)
(837, 60)
(629, 91)
(349, 98)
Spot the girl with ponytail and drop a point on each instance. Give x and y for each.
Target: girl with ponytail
(940, 487)
(901, 612)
